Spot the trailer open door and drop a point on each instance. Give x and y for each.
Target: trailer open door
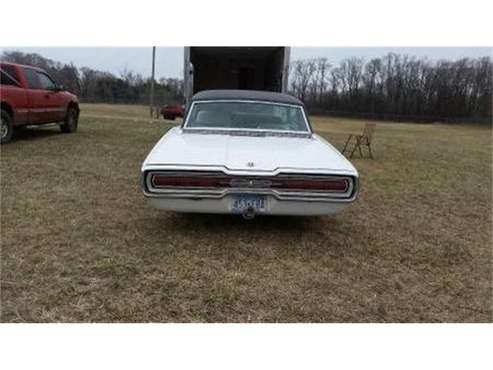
(244, 68)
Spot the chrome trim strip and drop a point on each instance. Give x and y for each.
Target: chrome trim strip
(215, 193)
(245, 132)
(245, 172)
(249, 191)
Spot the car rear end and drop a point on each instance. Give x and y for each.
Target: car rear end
(222, 191)
(247, 152)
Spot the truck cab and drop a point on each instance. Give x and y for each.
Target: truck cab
(30, 96)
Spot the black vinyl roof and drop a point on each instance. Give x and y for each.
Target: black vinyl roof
(246, 95)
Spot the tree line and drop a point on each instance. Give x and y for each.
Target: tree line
(92, 85)
(396, 87)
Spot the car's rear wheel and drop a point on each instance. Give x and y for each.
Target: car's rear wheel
(71, 121)
(6, 128)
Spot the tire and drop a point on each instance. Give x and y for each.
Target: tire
(71, 121)
(6, 129)
(169, 116)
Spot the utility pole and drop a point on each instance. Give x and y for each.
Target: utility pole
(152, 80)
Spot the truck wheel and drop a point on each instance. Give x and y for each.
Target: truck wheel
(6, 128)
(71, 121)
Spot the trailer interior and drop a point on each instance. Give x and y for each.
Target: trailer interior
(244, 68)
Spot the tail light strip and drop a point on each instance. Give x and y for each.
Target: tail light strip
(217, 183)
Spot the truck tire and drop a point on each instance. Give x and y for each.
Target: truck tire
(71, 121)
(6, 129)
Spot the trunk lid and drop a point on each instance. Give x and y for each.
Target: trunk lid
(248, 153)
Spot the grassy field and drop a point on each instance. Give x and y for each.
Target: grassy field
(80, 244)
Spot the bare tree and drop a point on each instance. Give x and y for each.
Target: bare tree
(397, 85)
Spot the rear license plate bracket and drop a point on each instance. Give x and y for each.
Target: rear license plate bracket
(242, 202)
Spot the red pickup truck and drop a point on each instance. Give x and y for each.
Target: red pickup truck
(29, 96)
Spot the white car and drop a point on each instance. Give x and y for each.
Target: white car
(247, 152)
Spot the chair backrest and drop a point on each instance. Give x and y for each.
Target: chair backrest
(369, 131)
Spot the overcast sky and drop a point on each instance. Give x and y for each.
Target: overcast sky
(169, 60)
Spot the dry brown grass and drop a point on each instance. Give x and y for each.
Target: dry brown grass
(79, 242)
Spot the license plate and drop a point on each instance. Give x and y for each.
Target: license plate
(242, 202)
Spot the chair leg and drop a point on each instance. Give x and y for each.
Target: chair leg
(347, 142)
(356, 145)
(360, 151)
(369, 151)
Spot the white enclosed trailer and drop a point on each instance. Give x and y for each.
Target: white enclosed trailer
(244, 68)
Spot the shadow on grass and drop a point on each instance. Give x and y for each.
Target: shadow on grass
(259, 227)
(217, 222)
(27, 134)
(231, 236)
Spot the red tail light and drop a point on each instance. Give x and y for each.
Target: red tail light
(288, 183)
(163, 181)
(330, 185)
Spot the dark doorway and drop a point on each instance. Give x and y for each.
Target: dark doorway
(246, 78)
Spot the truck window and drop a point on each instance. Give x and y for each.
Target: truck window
(46, 82)
(32, 78)
(5, 79)
(9, 75)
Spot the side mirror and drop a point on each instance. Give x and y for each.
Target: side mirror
(59, 88)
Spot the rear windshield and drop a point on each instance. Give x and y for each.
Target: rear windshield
(240, 115)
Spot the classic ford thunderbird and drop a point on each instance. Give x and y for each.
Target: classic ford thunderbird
(247, 152)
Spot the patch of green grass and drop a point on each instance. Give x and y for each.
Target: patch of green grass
(79, 242)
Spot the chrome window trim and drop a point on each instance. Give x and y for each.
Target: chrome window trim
(214, 129)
